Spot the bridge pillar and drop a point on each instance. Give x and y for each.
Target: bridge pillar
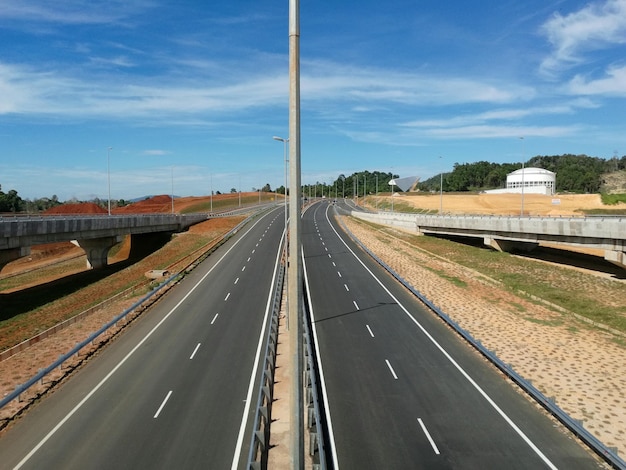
(508, 245)
(616, 257)
(97, 249)
(11, 254)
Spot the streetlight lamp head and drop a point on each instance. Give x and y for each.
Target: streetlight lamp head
(281, 139)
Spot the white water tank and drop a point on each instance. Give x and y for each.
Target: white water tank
(533, 180)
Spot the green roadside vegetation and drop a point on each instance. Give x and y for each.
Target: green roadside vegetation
(598, 298)
(384, 204)
(609, 200)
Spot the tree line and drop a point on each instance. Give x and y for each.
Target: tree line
(574, 173)
(356, 184)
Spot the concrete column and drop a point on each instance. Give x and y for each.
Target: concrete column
(509, 245)
(11, 254)
(616, 257)
(97, 249)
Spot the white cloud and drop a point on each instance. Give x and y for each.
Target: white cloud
(490, 132)
(496, 115)
(614, 84)
(596, 26)
(37, 92)
(331, 81)
(119, 61)
(70, 11)
(155, 152)
(28, 91)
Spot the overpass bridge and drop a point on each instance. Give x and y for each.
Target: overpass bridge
(95, 234)
(505, 233)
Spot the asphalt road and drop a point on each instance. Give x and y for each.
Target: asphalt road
(401, 390)
(174, 390)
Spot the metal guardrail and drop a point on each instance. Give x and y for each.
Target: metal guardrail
(575, 426)
(316, 422)
(76, 349)
(260, 440)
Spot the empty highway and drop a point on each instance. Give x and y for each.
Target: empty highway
(401, 390)
(174, 391)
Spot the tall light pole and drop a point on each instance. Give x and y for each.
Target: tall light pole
(172, 190)
(392, 183)
(211, 193)
(109, 174)
(522, 210)
(376, 191)
(364, 188)
(440, 188)
(295, 243)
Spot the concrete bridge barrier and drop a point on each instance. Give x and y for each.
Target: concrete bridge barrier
(95, 234)
(505, 233)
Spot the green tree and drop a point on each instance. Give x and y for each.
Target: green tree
(10, 202)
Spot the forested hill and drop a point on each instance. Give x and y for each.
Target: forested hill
(574, 173)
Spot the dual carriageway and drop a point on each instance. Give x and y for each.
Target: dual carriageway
(399, 389)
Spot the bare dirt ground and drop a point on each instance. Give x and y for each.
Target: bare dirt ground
(503, 204)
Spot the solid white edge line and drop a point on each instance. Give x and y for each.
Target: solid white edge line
(393, 372)
(246, 410)
(331, 435)
(430, 439)
(125, 358)
(477, 387)
(167, 397)
(194, 351)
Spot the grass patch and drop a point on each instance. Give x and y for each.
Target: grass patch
(608, 212)
(619, 341)
(539, 321)
(454, 280)
(612, 199)
(401, 207)
(587, 295)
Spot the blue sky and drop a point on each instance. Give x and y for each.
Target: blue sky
(193, 91)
